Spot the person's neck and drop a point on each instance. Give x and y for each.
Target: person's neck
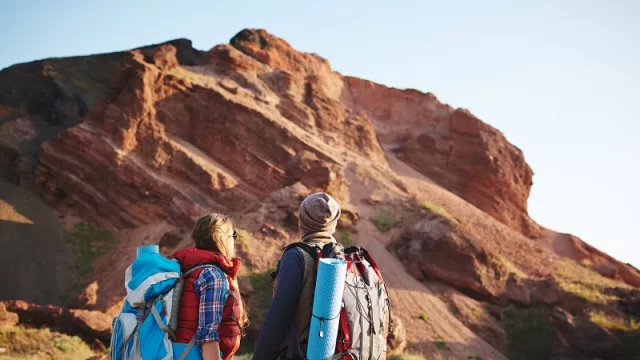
(318, 236)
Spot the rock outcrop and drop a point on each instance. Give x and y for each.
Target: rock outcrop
(574, 248)
(89, 324)
(433, 248)
(453, 148)
(170, 127)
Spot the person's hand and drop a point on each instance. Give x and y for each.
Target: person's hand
(211, 351)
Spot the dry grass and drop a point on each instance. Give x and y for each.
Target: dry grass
(584, 283)
(574, 272)
(435, 209)
(22, 343)
(587, 292)
(609, 323)
(512, 267)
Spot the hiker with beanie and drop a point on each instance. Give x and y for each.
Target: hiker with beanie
(289, 314)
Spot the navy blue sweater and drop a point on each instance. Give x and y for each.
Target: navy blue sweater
(285, 301)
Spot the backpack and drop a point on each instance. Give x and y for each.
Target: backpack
(365, 317)
(144, 328)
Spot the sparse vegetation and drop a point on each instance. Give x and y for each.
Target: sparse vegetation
(530, 333)
(260, 297)
(258, 300)
(609, 323)
(440, 344)
(627, 330)
(575, 272)
(587, 292)
(438, 210)
(424, 317)
(346, 239)
(511, 267)
(87, 243)
(384, 221)
(21, 343)
(406, 356)
(584, 283)
(478, 313)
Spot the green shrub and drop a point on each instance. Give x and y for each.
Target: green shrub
(424, 317)
(21, 343)
(87, 244)
(384, 221)
(530, 334)
(346, 239)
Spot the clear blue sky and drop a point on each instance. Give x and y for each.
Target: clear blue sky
(561, 79)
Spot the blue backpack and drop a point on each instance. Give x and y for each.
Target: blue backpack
(144, 329)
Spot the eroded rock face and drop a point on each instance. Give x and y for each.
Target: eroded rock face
(432, 248)
(168, 127)
(167, 132)
(585, 336)
(602, 263)
(318, 175)
(452, 147)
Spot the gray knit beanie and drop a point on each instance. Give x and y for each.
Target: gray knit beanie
(319, 212)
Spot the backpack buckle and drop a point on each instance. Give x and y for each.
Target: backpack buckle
(140, 313)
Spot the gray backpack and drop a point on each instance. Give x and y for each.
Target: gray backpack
(365, 317)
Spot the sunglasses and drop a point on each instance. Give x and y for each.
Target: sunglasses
(234, 235)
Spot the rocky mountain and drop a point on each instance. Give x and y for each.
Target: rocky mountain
(100, 154)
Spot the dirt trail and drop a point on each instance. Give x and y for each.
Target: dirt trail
(411, 298)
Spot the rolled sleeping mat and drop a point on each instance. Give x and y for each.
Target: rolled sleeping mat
(327, 302)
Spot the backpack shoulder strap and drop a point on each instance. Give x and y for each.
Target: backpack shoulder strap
(199, 267)
(312, 250)
(371, 261)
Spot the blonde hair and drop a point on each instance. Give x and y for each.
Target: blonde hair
(211, 232)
